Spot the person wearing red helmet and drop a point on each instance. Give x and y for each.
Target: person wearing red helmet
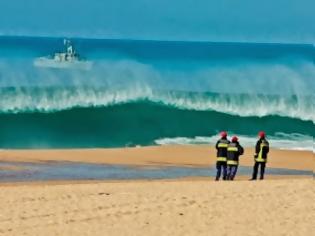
(221, 146)
(234, 150)
(261, 152)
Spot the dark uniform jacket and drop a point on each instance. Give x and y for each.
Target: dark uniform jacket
(221, 147)
(233, 152)
(262, 149)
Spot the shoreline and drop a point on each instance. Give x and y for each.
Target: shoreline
(150, 156)
(98, 165)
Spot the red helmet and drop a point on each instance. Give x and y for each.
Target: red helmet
(234, 139)
(223, 134)
(261, 134)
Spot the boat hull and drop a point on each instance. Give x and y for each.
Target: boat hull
(51, 63)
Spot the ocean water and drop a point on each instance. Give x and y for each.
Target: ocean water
(156, 93)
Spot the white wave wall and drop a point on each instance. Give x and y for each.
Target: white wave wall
(245, 90)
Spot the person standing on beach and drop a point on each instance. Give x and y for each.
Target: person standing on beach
(234, 150)
(221, 146)
(261, 152)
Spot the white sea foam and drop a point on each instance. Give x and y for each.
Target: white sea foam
(279, 141)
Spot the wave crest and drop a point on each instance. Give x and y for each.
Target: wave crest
(16, 100)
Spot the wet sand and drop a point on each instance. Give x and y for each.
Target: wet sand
(192, 156)
(67, 171)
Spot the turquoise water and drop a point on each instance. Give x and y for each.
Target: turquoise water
(138, 123)
(142, 92)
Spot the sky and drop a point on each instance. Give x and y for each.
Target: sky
(290, 21)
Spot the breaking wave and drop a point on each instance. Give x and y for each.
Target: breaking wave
(145, 92)
(19, 100)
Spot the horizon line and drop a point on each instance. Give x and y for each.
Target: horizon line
(154, 40)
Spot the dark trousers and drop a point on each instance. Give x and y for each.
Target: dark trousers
(221, 167)
(262, 169)
(231, 171)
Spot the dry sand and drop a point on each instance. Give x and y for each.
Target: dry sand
(272, 207)
(199, 155)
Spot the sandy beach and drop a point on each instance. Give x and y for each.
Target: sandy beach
(272, 207)
(280, 205)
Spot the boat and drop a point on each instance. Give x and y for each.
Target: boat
(68, 59)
